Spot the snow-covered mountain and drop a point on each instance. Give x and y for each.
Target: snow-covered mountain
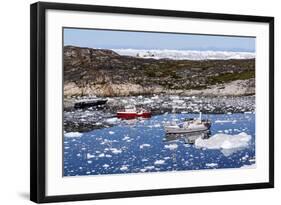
(185, 54)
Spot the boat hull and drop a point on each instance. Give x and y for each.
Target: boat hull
(128, 115)
(86, 104)
(172, 130)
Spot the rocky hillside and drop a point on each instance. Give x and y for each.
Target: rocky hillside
(103, 72)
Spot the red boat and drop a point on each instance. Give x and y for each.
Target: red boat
(132, 112)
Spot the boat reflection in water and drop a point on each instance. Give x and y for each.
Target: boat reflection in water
(188, 137)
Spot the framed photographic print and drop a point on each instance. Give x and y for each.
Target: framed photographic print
(129, 102)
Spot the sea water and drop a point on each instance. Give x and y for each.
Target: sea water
(141, 145)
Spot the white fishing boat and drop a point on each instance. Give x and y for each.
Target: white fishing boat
(188, 126)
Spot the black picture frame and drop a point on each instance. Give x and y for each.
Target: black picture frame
(38, 101)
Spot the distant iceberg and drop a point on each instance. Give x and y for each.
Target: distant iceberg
(185, 54)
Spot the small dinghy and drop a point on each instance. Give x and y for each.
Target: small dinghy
(188, 126)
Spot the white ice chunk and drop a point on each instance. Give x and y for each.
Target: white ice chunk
(105, 166)
(224, 141)
(112, 120)
(101, 155)
(111, 132)
(73, 134)
(149, 167)
(252, 166)
(116, 151)
(211, 164)
(144, 146)
(154, 126)
(90, 156)
(124, 168)
(171, 146)
(126, 137)
(159, 162)
(225, 121)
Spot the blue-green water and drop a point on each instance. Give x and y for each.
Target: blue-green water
(140, 146)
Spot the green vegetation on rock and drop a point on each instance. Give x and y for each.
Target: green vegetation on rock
(227, 77)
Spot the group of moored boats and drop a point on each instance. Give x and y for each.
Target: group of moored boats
(188, 126)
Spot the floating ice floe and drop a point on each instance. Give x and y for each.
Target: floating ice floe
(174, 97)
(157, 125)
(252, 160)
(147, 101)
(111, 132)
(225, 121)
(224, 141)
(126, 137)
(116, 151)
(159, 162)
(171, 146)
(211, 165)
(102, 155)
(124, 168)
(112, 120)
(245, 157)
(155, 97)
(90, 156)
(149, 167)
(73, 134)
(144, 146)
(154, 126)
(105, 166)
(228, 152)
(251, 166)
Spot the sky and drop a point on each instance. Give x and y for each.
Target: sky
(109, 39)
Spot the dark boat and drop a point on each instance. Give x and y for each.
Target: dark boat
(89, 103)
